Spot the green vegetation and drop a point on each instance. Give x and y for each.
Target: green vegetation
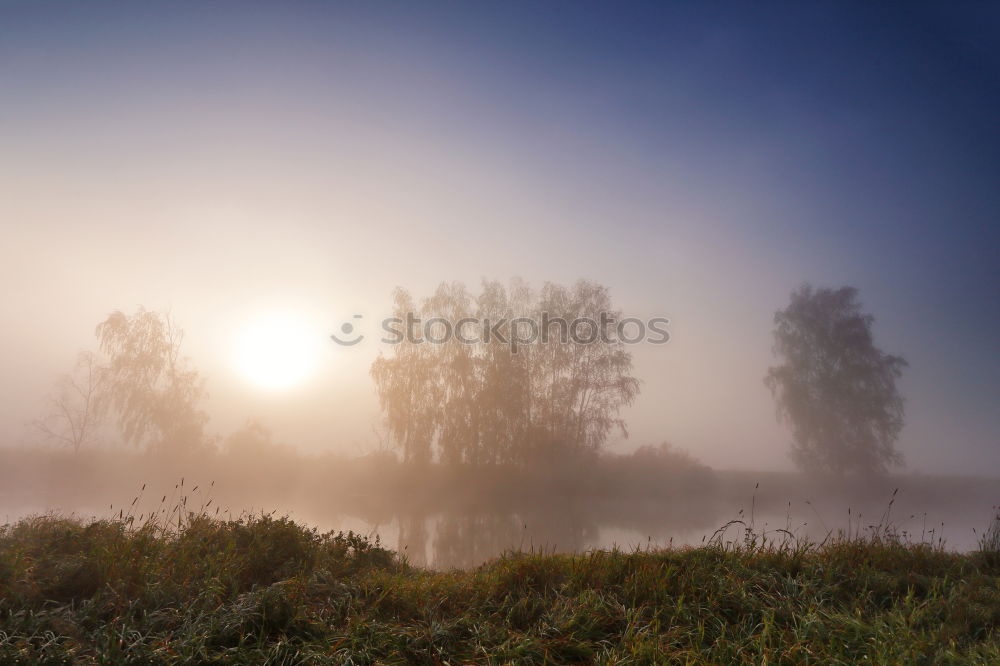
(263, 589)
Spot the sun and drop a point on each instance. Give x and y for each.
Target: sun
(277, 351)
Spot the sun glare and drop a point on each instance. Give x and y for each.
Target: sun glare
(276, 351)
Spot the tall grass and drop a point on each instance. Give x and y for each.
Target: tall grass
(190, 587)
(989, 540)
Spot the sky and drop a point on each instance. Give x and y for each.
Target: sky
(229, 162)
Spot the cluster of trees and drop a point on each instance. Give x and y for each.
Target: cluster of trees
(142, 384)
(490, 403)
(486, 403)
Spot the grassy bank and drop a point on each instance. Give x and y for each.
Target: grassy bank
(265, 589)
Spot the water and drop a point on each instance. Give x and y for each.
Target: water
(464, 536)
(460, 521)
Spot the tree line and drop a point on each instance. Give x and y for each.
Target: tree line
(492, 403)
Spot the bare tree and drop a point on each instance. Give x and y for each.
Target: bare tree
(151, 388)
(73, 415)
(834, 387)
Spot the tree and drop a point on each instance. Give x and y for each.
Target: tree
(579, 387)
(406, 391)
(148, 384)
(483, 399)
(73, 414)
(834, 387)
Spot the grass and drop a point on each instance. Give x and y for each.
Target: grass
(262, 589)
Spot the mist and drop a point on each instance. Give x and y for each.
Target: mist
(263, 176)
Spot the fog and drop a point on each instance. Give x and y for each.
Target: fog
(234, 165)
(463, 518)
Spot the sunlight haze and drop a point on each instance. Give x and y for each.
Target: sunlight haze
(227, 161)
